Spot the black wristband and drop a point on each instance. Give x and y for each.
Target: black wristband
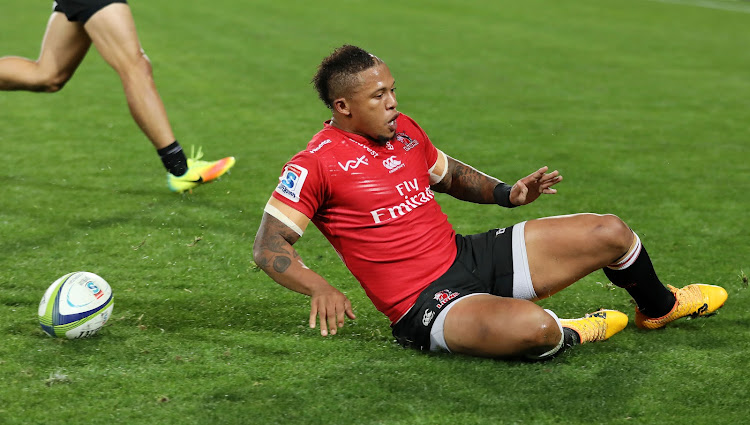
(502, 195)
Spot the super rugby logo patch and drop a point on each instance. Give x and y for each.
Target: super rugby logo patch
(291, 181)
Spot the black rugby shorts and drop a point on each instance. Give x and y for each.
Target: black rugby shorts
(483, 264)
(81, 10)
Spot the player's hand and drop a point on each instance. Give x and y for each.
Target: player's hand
(329, 306)
(529, 188)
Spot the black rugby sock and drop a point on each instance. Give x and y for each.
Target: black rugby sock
(173, 158)
(638, 277)
(570, 338)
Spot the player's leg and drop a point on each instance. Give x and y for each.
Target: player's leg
(112, 30)
(63, 48)
(511, 324)
(491, 326)
(561, 250)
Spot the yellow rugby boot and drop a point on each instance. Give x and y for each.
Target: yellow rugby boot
(597, 326)
(693, 300)
(198, 172)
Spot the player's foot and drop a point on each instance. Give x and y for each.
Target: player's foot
(198, 172)
(597, 326)
(693, 300)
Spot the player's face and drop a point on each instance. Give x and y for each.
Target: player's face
(373, 104)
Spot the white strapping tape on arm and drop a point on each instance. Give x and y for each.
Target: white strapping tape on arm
(278, 215)
(434, 178)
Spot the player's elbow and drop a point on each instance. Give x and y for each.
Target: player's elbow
(258, 256)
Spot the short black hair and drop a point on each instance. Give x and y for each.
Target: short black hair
(336, 73)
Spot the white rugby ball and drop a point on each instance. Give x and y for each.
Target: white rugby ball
(76, 305)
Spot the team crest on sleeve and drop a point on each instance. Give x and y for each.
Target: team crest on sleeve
(291, 181)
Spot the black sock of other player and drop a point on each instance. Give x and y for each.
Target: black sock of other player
(173, 158)
(635, 272)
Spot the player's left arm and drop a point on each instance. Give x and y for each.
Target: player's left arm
(464, 182)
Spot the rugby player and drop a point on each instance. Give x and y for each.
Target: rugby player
(367, 182)
(108, 24)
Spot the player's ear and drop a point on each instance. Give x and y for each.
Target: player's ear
(341, 105)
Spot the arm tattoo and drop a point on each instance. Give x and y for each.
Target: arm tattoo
(280, 264)
(469, 184)
(273, 249)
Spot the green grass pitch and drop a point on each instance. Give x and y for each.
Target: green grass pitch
(644, 106)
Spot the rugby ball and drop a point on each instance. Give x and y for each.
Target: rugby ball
(76, 306)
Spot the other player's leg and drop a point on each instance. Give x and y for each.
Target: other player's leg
(112, 30)
(63, 48)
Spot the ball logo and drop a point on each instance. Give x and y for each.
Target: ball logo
(94, 289)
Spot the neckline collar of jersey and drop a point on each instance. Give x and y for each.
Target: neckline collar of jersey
(357, 137)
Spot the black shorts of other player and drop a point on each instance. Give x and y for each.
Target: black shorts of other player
(81, 10)
(483, 264)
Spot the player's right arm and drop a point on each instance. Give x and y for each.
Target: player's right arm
(273, 252)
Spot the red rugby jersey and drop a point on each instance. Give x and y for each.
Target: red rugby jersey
(374, 205)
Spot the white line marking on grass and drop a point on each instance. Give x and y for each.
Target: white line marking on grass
(719, 5)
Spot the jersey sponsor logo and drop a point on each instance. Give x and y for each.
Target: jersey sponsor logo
(323, 143)
(389, 146)
(410, 203)
(407, 187)
(444, 297)
(352, 164)
(407, 141)
(499, 232)
(413, 198)
(392, 164)
(291, 181)
(427, 317)
(365, 147)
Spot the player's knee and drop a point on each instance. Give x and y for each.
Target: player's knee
(542, 333)
(613, 234)
(51, 82)
(140, 64)
(52, 86)
(144, 62)
(535, 333)
(131, 65)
